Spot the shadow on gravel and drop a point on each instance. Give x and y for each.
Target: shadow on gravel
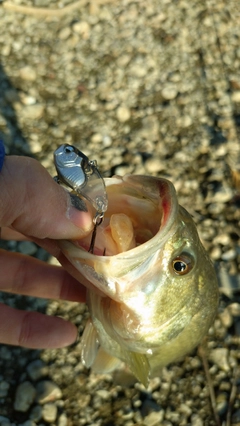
(10, 132)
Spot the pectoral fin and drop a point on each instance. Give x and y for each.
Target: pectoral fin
(105, 363)
(89, 344)
(138, 364)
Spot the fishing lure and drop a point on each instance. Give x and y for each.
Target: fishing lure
(77, 172)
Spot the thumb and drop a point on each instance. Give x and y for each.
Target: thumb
(32, 203)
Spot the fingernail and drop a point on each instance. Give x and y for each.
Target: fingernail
(77, 213)
(78, 203)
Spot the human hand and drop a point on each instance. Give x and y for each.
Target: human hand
(33, 206)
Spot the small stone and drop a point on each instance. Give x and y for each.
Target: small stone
(28, 73)
(196, 420)
(138, 70)
(25, 396)
(49, 412)
(226, 318)
(154, 418)
(37, 369)
(185, 409)
(35, 146)
(123, 114)
(32, 112)
(62, 421)
(229, 255)
(27, 247)
(36, 413)
(107, 141)
(216, 253)
(169, 92)
(234, 309)
(236, 96)
(4, 386)
(5, 353)
(28, 100)
(222, 403)
(103, 393)
(219, 356)
(5, 51)
(28, 423)
(64, 33)
(185, 121)
(47, 391)
(223, 239)
(96, 138)
(4, 421)
(153, 165)
(82, 28)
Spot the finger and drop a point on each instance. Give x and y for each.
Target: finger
(11, 234)
(29, 276)
(35, 205)
(34, 330)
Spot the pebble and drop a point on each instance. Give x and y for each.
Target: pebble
(104, 394)
(47, 391)
(216, 253)
(64, 33)
(82, 28)
(28, 423)
(154, 418)
(196, 420)
(28, 73)
(32, 112)
(123, 114)
(37, 369)
(220, 357)
(36, 413)
(4, 421)
(234, 309)
(169, 92)
(4, 387)
(24, 397)
(226, 318)
(222, 403)
(222, 238)
(236, 96)
(153, 165)
(229, 255)
(62, 420)
(27, 247)
(49, 412)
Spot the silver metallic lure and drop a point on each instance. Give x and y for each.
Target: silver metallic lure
(76, 171)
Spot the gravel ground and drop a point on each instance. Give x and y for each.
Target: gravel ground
(147, 87)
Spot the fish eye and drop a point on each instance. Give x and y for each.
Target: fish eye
(182, 264)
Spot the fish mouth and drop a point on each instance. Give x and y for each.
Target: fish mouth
(139, 209)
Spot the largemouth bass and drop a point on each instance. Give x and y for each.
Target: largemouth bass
(153, 292)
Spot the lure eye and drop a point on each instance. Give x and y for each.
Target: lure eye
(182, 265)
(68, 149)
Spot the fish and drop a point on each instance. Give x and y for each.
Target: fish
(152, 288)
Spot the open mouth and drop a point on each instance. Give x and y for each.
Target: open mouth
(133, 217)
